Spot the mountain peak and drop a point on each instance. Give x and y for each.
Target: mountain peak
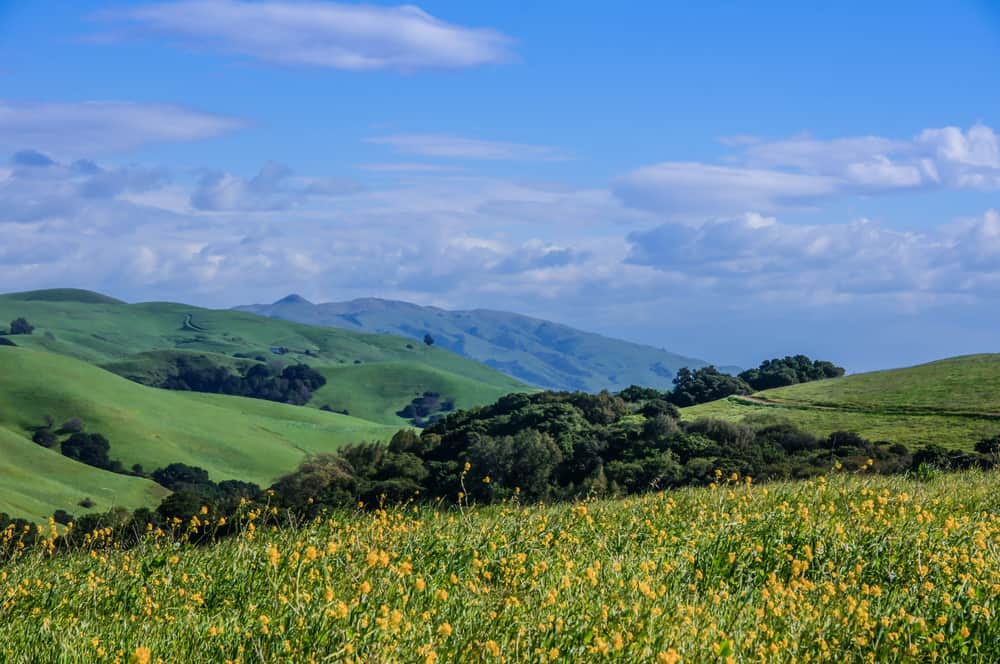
(294, 298)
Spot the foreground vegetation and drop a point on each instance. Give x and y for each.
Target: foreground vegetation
(846, 568)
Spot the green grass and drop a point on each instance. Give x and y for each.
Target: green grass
(34, 482)
(376, 391)
(100, 330)
(231, 437)
(140, 340)
(845, 569)
(54, 372)
(953, 402)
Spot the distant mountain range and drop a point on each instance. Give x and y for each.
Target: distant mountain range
(536, 351)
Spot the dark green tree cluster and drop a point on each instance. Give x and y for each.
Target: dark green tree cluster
(789, 370)
(293, 384)
(21, 326)
(709, 384)
(426, 409)
(703, 385)
(90, 448)
(551, 446)
(192, 489)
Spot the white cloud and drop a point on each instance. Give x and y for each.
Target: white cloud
(556, 251)
(102, 127)
(975, 147)
(324, 34)
(703, 189)
(459, 147)
(273, 188)
(404, 167)
(777, 175)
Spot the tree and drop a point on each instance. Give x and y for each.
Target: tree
(789, 370)
(989, 446)
(704, 385)
(21, 326)
(428, 339)
(45, 437)
(89, 448)
(178, 476)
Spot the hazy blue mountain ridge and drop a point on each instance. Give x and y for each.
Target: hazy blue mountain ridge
(540, 352)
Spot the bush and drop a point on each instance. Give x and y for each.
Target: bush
(72, 425)
(178, 476)
(21, 326)
(62, 517)
(45, 438)
(89, 448)
(4, 341)
(989, 446)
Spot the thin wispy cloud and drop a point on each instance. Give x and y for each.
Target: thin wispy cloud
(322, 34)
(405, 167)
(461, 147)
(769, 176)
(103, 127)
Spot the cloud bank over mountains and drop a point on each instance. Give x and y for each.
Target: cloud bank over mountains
(674, 230)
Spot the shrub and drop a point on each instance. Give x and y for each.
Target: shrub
(21, 326)
(89, 448)
(45, 438)
(62, 517)
(72, 425)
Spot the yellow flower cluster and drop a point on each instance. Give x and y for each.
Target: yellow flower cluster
(849, 568)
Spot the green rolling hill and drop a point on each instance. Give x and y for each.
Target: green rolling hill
(140, 340)
(34, 482)
(539, 352)
(84, 343)
(952, 402)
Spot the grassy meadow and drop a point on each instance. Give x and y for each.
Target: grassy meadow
(953, 403)
(850, 568)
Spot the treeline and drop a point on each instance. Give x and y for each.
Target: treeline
(709, 384)
(293, 384)
(555, 446)
(73, 442)
(546, 446)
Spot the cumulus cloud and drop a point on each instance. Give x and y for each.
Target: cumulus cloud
(323, 34)
(459, 147)
(40, 188)
(101, 127)
(274, 187)
(759, 255)
(770, 176)
(542, 248)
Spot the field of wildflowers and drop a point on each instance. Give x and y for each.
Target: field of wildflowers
(844, 568)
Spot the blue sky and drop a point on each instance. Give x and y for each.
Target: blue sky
(724, 180)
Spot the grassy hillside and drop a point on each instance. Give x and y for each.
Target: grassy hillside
(139, 340)
(536, 351)
(231, 437)
(847, 569)
(372, 391)
(952, 402)
(34, 482)
(55, 371)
